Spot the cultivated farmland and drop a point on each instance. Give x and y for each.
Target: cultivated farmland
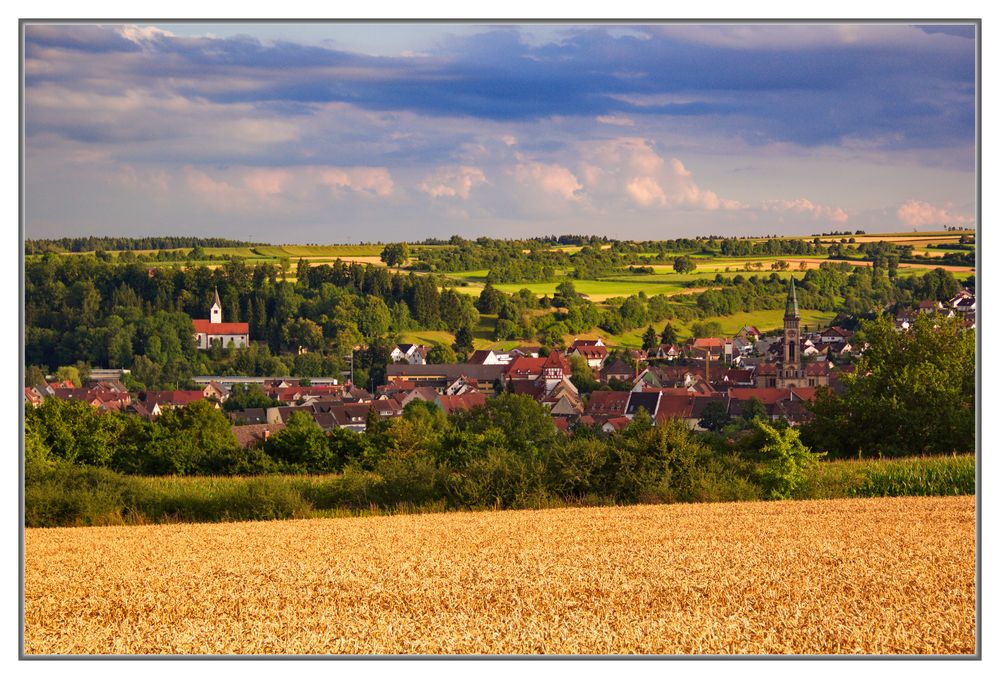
(887, 575)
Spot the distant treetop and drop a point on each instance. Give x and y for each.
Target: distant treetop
(92, 243)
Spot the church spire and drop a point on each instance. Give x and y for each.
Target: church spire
(791, 304)
(215, 313)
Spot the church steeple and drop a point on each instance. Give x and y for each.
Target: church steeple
(792, 365)
(791, 304)
(215, 313)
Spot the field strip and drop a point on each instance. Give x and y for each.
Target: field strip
(887, 575)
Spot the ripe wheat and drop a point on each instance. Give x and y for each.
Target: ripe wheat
(890, 575)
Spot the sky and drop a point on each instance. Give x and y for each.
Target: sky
(340, 133)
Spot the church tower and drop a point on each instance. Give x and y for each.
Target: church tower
(792, 364)
(215, 313)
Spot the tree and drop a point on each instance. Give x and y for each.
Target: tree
(302, 446)
(395, 254)
(490, 300)
(649, 339)
(706, 329)
(669, 334)
(69, 372)
(303, 332)
(565, 295)
(441, 353)
(374, 317)
(911, 392)
(786, 460)
(583, 376)
(714, 417)
(463, 341)
(684, 264)
(33, 375)
(242, 396)
(753, 410)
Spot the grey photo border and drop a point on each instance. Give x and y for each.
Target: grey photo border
(22, 23)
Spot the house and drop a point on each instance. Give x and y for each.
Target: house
(642, 400)
(172, 399)
(563, 400)
(463, 385)
(835, 335)
(668, 352)
(688, 408)
(247, 435)
(413, 354)
(485, 357)
(387, 407)
(464, 402)
(604, 405)
(749, 333)
(420, 394)
(214, 331)
(615, 424)
(215, 390)
(525, 368)
(617, 370)
(593, 354)
(929, 306)
(33, 396)
(777, 401)
(146, 413)
(440, 376)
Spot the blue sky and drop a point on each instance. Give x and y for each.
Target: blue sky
(374, 132)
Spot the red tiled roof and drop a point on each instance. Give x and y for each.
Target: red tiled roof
(556, 360)
(209, 328)
(525, 367)
(248, 434)
(818, 369)
(451, 404)
(182, 397)
(607, 403)
(770, 395)
(590, 351)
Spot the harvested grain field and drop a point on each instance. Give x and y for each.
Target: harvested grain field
(890, 575)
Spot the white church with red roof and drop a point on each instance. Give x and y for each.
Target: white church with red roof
(214, 330)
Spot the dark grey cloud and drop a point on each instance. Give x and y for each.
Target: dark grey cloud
(909, 91)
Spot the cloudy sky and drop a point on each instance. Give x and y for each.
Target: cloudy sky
(323, 133)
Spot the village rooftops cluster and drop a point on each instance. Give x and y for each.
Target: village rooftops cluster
(669, 381)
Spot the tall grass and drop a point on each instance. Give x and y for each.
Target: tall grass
(916, 476)
(68, 495)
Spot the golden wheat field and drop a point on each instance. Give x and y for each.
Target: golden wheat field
(835, 576)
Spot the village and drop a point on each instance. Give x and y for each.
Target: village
(701, 381)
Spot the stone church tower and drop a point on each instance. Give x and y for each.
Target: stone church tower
(791, 366)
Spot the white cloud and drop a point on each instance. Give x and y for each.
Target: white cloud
(450, 182)
(252, 188)
(806, 206)
(646, 191)
(921, 213)
(552, 179)
(621, 121)
(631, 166)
